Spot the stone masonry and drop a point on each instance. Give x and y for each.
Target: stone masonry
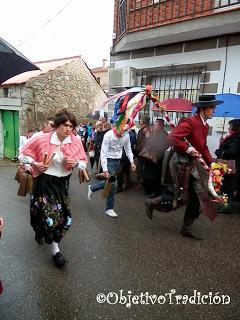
(71, 86)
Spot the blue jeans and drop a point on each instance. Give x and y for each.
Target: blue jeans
(113, 166)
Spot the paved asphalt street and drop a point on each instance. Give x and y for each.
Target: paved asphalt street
(130, 253)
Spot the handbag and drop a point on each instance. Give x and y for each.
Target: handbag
(18, 175)
(108, 186)
(83, 176)
(147, 155)
(25, 185)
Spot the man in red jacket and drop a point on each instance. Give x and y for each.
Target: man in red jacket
(195, 130)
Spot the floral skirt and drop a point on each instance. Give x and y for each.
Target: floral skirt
(50, 212)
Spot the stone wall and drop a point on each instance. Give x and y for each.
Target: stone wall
(70, 86)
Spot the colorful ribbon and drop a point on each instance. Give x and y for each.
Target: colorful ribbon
(128, 105)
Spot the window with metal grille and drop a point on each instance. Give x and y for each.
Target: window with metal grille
(174, 85)
(175, 81)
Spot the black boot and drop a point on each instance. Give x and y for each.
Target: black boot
(153, 203)
(187, 230)
(39, 239)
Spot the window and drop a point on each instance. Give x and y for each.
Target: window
(122, 16)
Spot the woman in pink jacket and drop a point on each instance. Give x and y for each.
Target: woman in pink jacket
(53, 156)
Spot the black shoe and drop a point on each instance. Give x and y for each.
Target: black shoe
(59, 259)
(39, 239)
(188, 232)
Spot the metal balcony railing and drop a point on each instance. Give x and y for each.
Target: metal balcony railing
(140, 14)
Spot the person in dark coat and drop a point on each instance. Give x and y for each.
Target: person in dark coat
(98, 139)
(143, 133)
(229, 149)
(157, 145)
(124, 173)
(195, 130)
(85, 138)
(106, 126)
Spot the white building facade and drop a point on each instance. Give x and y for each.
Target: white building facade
(179, 47)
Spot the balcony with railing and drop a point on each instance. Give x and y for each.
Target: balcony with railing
(135, 16)
(149, 13)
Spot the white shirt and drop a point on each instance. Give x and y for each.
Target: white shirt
(203, 121)
(56, 167)
(112, 148)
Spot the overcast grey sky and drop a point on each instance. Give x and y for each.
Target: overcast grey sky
(41, 30)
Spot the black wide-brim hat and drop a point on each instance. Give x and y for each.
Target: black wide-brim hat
(207, 101)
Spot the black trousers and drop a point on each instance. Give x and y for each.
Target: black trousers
(152, 175)
(193, 207)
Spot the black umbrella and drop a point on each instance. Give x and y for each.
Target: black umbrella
(12, 62)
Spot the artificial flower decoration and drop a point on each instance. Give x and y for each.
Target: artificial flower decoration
(218, 170)
(69, 221)
(49, 221)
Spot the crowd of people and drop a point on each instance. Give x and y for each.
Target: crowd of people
(61, 146)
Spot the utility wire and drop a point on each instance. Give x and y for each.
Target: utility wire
(45, 24)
